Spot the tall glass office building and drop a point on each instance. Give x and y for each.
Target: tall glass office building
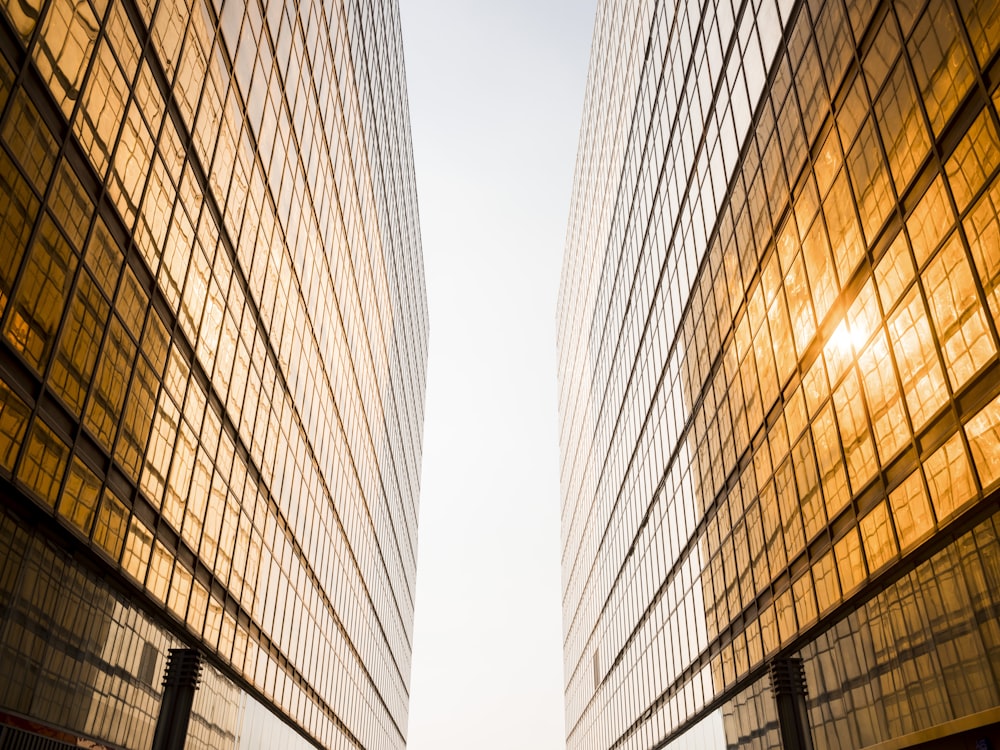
(213, 341)
(779, 379)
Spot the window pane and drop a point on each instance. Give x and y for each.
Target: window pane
(180, 590)
(41, 294)
(930, 221)
(941, 62)
(112, 521)
(63, 50)
(819, 266)
(982, 226)
(74, 364)
(138, 545)
(879, 540)
(79, 500)
(136, 419)
(973, 160)
(919, 370)
(982, 19)
(983, 431)
(108, 395)
(158, 580)
(850, 561)
(103, 108)
(949, 478)
(845, 238)
(957, 313)
(14, 415)
(18, 207)
(884, 400)
(29, 138)
(875, 197)
(827, 584)
(44, 463)
(901, 125)
(831, 465)
(912, 511)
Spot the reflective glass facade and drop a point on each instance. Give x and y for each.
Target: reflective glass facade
(213, 346)
(779, 381)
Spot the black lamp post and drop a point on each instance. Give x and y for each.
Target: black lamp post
(179, 685)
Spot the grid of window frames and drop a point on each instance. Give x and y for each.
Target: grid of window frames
(213, 328)
(920, 653)
(79, 655)
(777, 335)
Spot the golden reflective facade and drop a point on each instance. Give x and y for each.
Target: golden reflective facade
(213, 346)
(779, 381)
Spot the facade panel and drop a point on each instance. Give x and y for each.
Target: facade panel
(213, 346)
(779, 382)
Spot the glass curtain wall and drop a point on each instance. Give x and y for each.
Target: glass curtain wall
(213, 343)
(779, 383)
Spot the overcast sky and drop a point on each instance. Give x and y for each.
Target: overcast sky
(496, 91)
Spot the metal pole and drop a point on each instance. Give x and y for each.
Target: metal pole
(788, 682)
(179, 685)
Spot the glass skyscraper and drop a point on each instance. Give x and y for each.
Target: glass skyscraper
(213, 344)
(779, 380)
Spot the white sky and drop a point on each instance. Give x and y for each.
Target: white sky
(496, 94)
